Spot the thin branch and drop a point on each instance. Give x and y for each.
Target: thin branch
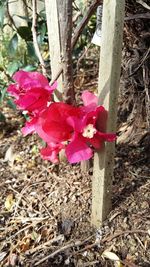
(147, 96)
(138, 16)
(84, 21)
(79, 30)
(70, 245)
(10, 17)
(27, 227)
(110, 238)
(34, 34)
(46, 244)
(141, 2)
(79, 243)
(141, 63)
(127, 232)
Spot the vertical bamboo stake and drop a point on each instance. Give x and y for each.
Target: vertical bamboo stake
(54, 43)
(109, 76)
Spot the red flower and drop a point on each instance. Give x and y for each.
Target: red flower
(78, 130)
(30, 126)
(51, 152)
(88, 134)
(31, 90)
(52, 124)
(82, 128)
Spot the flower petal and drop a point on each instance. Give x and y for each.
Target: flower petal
(51, 152)
(30, 79)
(13, 90)
(78, 151)
(29, 126)
(109, 137)
(76, 123)
(53, 87)
(96, 141)
(89, 98)
(34, 100)
(102, 116)
(55, 121)
(48, 154)
(99, 138)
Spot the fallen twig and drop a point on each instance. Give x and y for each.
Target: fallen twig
(47, 243)
(25, 189)
(141, 2)
(142, 61)
(147, 95)
(90, 263)
(70, 245)
(27, 227)
(138, 16)
(110, 238)
(140, 242)
(138, 175)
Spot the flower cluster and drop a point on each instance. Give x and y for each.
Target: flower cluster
(77, 130)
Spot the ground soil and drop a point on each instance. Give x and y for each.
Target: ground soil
(51, 206)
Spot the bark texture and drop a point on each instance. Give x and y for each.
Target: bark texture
(65, 27)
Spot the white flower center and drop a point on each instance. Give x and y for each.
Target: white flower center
(89, 131)
(24, 112)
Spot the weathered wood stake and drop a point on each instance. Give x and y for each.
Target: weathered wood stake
(65, 28)
(109, 76)
(54, 43)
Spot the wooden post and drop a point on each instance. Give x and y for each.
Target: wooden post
(54, 43)
(65, 27)
(109, 76)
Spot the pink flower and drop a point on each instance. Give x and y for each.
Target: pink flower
(31, 90)
(90, 101)
(89, 130)
(51, 152)
(82, 128)
(30, 126)
(78, 130)
(87, 135)
(52, 124)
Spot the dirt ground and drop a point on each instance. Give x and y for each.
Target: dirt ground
(45, 209)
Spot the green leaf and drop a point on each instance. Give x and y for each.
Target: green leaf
(2, 117)
(23, 17)
(25, 33)
(34, 235)
(13, 44)
(12, 67)
(26, 116)
(42, 30)
(11, 104)
(42, 14)
(31, 50)
(30, 68)
(2, 93)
